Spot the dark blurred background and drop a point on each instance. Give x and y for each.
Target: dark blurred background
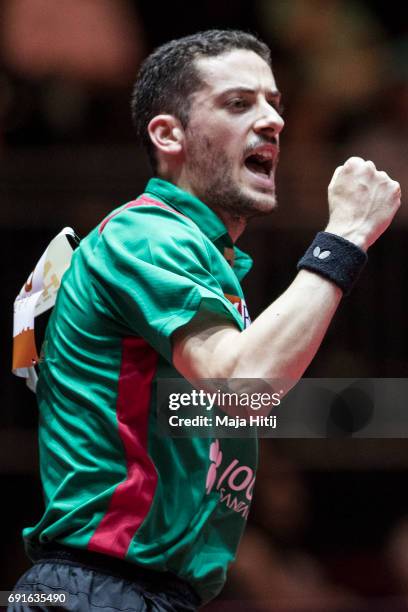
(329, 528)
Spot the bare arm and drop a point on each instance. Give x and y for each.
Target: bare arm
(283, 340)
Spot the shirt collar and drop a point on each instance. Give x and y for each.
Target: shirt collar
(205, 218)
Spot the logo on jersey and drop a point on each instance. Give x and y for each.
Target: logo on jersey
(234, 482)
(240, 305)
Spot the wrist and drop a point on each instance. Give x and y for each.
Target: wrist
(356, 237)
(335, 258)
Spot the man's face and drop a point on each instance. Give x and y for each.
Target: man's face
(232, 137)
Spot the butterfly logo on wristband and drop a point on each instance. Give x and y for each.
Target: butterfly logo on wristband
(320, 254)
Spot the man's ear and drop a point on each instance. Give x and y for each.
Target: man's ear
(166, 134)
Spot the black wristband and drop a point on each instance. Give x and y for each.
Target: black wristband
(335, 258)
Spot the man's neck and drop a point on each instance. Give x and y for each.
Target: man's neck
(235, 225)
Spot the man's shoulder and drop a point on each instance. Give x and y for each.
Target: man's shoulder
(146, 229)
(146, 211)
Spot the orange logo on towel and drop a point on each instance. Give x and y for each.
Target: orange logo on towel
(24, 349)
(29, 284)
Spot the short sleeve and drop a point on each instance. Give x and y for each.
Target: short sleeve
(153, 271)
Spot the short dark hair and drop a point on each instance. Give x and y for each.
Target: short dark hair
(169, 76)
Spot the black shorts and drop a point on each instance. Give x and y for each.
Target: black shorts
(94, 587)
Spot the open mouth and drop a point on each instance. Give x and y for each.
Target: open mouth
(260, 163)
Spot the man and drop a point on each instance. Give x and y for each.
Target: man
(134, 520)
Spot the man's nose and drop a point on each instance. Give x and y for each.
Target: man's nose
(269, 120)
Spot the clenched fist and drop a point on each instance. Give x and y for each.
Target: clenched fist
(362, 202)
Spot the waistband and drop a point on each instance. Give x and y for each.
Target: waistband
(152, 580)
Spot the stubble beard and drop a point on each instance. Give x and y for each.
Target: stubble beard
(214, 185)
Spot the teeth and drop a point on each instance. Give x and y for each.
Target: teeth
(261, 160)
(264, 155)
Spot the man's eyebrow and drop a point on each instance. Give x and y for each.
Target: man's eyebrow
(273, 93)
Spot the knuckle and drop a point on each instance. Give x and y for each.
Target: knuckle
(354, 165)
(382, 175)
(336, 174)
(351, 163)
(394, 187)
(354, 160)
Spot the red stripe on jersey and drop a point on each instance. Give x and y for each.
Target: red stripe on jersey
(132, 498)
(139, 202)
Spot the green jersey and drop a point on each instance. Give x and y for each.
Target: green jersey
(112, 483)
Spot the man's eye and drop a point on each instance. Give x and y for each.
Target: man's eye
(238, 104)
